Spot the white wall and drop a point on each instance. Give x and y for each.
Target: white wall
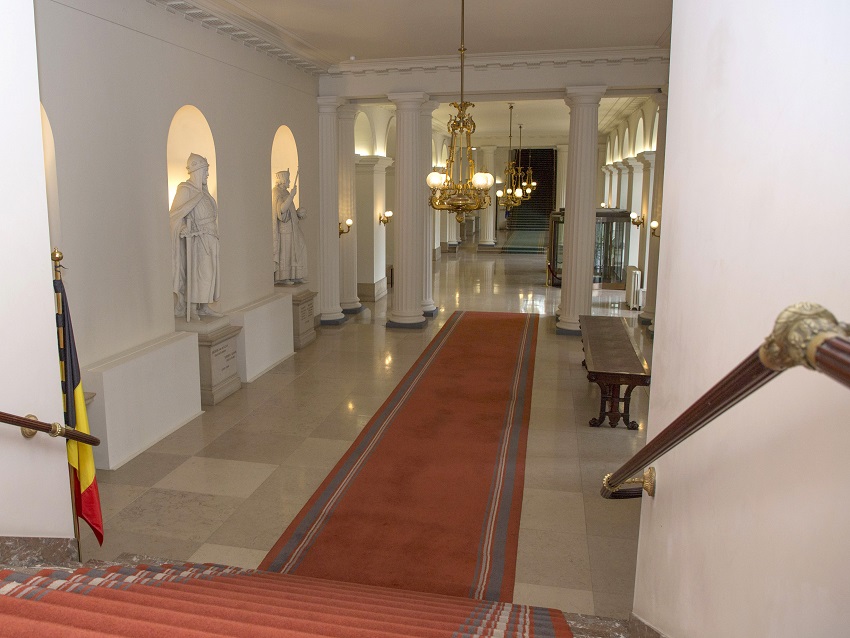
(747, 535)
(35, 494)
(112, 75)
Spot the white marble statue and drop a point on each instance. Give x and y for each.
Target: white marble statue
(290, 249)
(194, 243)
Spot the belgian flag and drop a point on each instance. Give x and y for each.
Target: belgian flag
(80, 457)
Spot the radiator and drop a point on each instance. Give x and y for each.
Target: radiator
(633, 288)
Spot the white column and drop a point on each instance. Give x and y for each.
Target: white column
(634, 205)
(407, 223)
(620, 197)
(452, 230)
(607, 170)
(349, 301)
(561, 178)
(601, 177)
(580, 214)
(648, 314)
(371, 194)
(647, 158)
(329, 306)
(487, 230)
(426, 115)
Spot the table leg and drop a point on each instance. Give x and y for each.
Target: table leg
(614, 413)
(632, 425)
(603, 399)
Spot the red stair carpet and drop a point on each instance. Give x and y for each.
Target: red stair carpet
(428, 497)
(184, 600)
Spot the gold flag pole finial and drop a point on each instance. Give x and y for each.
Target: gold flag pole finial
(56, 255)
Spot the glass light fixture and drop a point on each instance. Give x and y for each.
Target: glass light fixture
(386, 217)
(471, 191)
(347, 228)
(654, 228)
(637, 220)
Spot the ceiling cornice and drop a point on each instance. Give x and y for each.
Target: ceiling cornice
(285, 47)
(535, 59)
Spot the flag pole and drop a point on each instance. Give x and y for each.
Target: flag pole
(56, 256)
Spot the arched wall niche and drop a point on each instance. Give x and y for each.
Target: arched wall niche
(640, 142)
(390, 149)
(51, 181)
(444, 155)
(616, 154)
(654, 141)
(364, 139)
(608, 158)
(285, 157)
(627, 148)
(189, 133)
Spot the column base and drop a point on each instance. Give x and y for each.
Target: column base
(415, 321)
(354, 310)
(433, 312)
(646, 318)
(332, 319)
(572, 328)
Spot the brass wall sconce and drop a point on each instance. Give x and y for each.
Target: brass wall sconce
(347, 228)
(637, 220)
(655, 228)
(385, 218)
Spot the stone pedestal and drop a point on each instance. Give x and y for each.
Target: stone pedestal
(217, 354)
(303, 321)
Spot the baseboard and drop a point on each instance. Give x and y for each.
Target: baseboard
(640, 629)
(25, 551)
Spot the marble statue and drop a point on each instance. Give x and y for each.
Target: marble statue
(290, 248)
(194, 244)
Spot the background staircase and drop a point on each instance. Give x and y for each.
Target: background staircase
(528, 223)
(176, 600)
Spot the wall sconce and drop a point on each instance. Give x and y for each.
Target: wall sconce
(654, 228)
(347, 228)
(385, 217)
(637, 220)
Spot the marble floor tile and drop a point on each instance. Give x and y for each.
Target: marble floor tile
(554, 559)
(185, 516)
(578, 601)
(550, 473)
(114, 497)
(612, 564)
(120, 541)
(221, 477)
(554, 511)
(225, 555)
(145, 470)
(619, 518)
(241, 444)
(611, 605)
(318, 453)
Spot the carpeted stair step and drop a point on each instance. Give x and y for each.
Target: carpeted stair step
(190, 599)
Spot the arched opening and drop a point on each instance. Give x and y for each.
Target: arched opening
(391, 138)
(51, 181)
(655, 130)
(627, 147)
(640, 142)
(608, 158)
(189, 133)
(284, 157)
(615, 156)
(364, 140)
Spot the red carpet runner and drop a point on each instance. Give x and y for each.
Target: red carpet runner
(166, 600)
(428, 497)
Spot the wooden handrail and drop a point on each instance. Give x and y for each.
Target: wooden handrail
(53, 429)
(804, 334)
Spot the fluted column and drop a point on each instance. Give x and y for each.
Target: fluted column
(407, 222)
(329, 306)
(349, 301)
(621, 197)
(601, 159)
(452, 231)
(648, 314)
(634, 205)
(487, 228)
(608, 171)
(580, 214)
(561, 179)
(426, 262)
(647, 158)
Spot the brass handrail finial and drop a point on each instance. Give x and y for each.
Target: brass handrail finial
(798, 332)
(56, 256)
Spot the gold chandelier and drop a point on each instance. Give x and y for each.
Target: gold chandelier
(519, 181)
(471, 191)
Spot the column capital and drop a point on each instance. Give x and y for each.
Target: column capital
(647, 158)
(376, 162)
(488, 148)
(329, 103)
(409, 101)
(562, 148)
(348, 111)
(581, 95)
(660, 99)
(633, 162)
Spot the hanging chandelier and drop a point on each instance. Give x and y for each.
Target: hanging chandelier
(471, 190)
(524, 177)
(512, 194)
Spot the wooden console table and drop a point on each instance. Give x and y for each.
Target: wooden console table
(612, 360)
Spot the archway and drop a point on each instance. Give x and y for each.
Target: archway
(189, 133)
